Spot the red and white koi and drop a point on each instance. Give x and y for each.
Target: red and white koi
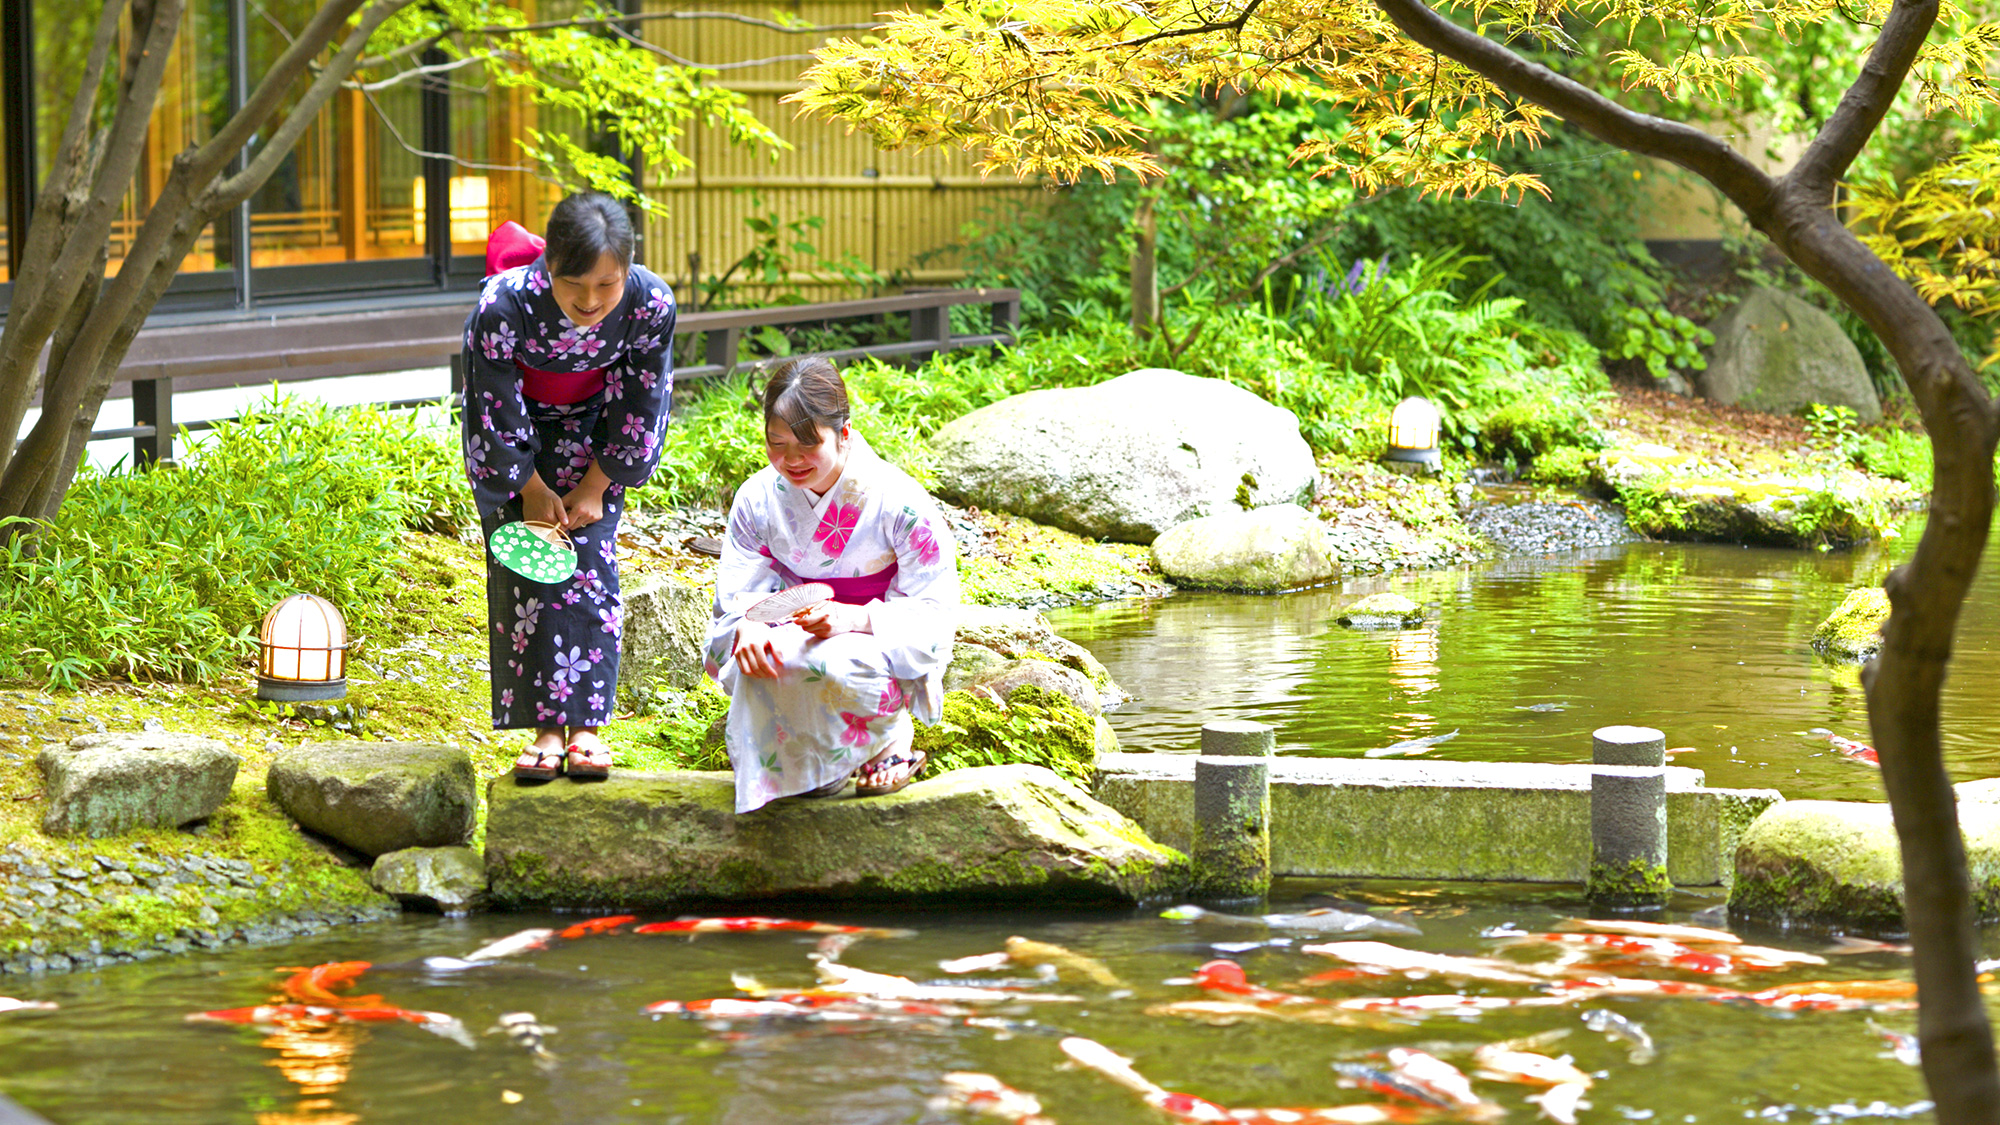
(795, 1005)
(511, 945)
(321, 984)
(1447, 1004)
(1903, 1047)
(1673, 954)
(841, 980)
(1587, 987)
(1848, 748)
(987, 1096)
(9, 1004)
(590, 926)
(281, 1015)
(1695, 935)
(1226, 978)
(1381, 957)
(1092, 1055)
(1838, 996)
(1500, 1063)
(754, 925)
(1560, 1103)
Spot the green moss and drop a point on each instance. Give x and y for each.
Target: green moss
(1034, 727)
(1632, 883)
(1564, 465)
(1854, 629)
(1028, 558)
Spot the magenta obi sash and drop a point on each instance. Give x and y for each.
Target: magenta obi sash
(559, 388)
(862, 590)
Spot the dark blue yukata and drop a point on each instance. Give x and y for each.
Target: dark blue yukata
(555, 645)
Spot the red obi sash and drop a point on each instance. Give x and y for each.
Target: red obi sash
(511, 245)
(559, 388)
(862, 590)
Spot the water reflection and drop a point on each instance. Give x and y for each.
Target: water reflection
(1526, 656)
(318, 1058)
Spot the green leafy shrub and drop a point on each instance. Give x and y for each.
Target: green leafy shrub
(1565, 465)
(1528, 428)
(166, 572)
(683, 732)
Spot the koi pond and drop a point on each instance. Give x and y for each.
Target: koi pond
(119, 1050)
(1523, 658)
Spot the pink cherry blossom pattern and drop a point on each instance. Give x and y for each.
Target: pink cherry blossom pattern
(856, 733)
(836, 527)
(924, 544)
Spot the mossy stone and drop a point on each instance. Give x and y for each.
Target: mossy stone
(446, 880)
(106, 784)
(1837, 863)
(1853, 631)
(1264, 550)
(1382, 611)
(653, 840)
(378, 797)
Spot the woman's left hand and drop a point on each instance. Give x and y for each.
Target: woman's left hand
(583, 507)
(827, 618)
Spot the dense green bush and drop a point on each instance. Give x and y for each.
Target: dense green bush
(166, 572)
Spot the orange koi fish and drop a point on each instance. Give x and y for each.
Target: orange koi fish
(590, 926)
(1381, 957)
(1586, 987)
(1848, 748)
(1673, 954)
(1228, 979)
(1225, 1013)
(987, 1096)
(763, 925)
(841, 980)
(794, 1004)
(1092, 1055)
(320, 984)
(1838, 996)
(280, 1015)
(1447, 1004)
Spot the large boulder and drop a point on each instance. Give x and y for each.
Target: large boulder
(1836, 863)
(1020, 634)
(1128, 458)
(1281, 547)
(1073, 685)
(105, 784)
(1853, 631)
(446, 880)
(656, 840)
(666, 624)
(378, 797)
(1776, 353)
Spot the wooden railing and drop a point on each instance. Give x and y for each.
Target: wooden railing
(388, 337)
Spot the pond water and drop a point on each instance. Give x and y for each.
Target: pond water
(1709, 643)
(117, 1051)
(1706, 642)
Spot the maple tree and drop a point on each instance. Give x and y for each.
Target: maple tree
(1047, 88)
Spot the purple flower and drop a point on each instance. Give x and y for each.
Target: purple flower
(529, 612)
(596, 655)
(634, 427)
(596, 702)
(658, 303)
(544, 712)
(611, 619)
(499, 343)
(537, 281)
(562, 690)
(571, 666)
(571, 596)
(507, 697)
(1353, 283)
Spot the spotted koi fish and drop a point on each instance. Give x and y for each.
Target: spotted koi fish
(1226, 978)
(1381, 957)
(1092, 1055)
(987, 1096)
(281, 1015)
(590, 926)
(510, 945)
(800, 1004)
(1838, 996)
(841, 980)
(1442, 1081)
(1693, 935)
(323, 984)
(1381, 1081)
(1672, 954)
(1225, 1013)
(1848, 748)
(1448, 1004)
(752, 925)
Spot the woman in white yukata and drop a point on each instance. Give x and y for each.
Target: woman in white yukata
(830, 693)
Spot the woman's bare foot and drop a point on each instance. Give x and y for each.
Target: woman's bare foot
(890, 770)
(542, 759)
(589, 757)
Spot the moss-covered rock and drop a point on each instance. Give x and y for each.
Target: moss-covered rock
(446, 880)
(105, 784)
(1382, 611)
(1023, 634)
(666, 623)
(1034, 726)
(970, 663)
(1854, 630)
(1264, 550)
(661, 839)
(1001, 682)
(378, 797)
(1836, 863)
(1671, 495)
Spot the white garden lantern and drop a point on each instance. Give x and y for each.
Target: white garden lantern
(302, 651)
(1413, 435)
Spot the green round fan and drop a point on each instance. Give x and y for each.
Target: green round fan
(537, 551)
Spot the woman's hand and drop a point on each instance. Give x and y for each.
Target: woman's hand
(540, 504)
(585, 502)
(755, 655)
(827, 618)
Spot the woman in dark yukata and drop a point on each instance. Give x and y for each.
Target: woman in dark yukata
(568, 380)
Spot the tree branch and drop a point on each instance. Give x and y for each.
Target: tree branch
(247, 121)
(1866, 102)
(1583, 107)
(1236, 25)
(608, 21)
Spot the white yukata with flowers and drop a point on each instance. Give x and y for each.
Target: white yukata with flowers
(842, 700)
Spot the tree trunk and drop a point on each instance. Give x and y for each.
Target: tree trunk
(1145, 268)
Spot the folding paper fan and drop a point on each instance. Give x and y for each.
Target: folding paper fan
(784, 603)
(536, 551)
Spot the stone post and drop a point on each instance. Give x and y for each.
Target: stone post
(1229, 738)
(1231, 848)
(1628, 746)
(1628, 837)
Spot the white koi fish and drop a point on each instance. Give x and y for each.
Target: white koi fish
(987, 1096)
(512, 944)
(1440, 1080)
(1499, 1064)
(9, 1004)
(1693, 934)
(1560, 1103)
(1382, 957)
(842, 980)
(1092, 1055)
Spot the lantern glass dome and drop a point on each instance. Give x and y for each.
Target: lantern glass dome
(1413, 433)
(302, 651)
